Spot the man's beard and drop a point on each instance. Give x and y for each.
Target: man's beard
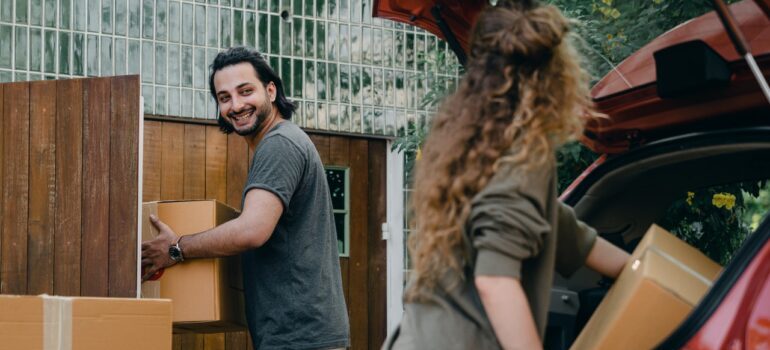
(262, 113)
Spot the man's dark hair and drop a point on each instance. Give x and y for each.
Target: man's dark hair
(265, 74)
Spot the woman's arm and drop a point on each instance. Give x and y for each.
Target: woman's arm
(606, 259)
(508, 311)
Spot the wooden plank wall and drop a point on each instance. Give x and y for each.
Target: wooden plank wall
(68, 189)
(186, 161)
(68, 182)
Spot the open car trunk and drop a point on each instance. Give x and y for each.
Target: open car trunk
(626, 194)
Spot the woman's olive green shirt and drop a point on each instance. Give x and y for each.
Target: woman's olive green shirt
(517, 228)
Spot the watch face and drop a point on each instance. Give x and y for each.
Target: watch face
(175, 253)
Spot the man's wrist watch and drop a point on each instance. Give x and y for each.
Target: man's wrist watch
(175, 251)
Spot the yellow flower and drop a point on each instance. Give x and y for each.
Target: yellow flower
(608, 2)
(690, 197)
(609, 36)
(418, 156)
(723, 199)
(615, 13)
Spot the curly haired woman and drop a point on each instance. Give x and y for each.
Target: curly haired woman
(491, 231)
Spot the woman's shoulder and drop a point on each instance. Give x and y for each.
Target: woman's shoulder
(511, 178)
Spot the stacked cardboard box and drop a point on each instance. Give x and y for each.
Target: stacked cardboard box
(664, 279)
(47, 323)
(207, 293)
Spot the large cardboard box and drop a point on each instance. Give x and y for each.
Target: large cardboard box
(53, 323)
(207, 293)
(664, 279)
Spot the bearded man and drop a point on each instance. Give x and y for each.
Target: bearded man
(285, 234)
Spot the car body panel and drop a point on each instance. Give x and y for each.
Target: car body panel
(458, 14)
(628, 94)
(742, 319)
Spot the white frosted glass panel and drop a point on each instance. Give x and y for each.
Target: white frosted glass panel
(120, 56)
(148, 55)
(134, 51)
(161, 20)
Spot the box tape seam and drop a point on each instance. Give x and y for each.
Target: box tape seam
(57, 323)
(680, 264)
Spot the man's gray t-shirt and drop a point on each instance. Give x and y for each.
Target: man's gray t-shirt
(292, 284)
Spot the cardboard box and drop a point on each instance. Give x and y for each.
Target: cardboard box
(664, 279)
(48, 323)
(207, 293)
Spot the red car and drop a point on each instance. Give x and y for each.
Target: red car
(685, 113)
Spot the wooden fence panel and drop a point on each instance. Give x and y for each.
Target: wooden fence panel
(322, 145)
(216, 164)
(339, 151)
(42, 184)
(124, 181)
(172, 164)
(237, 169)
(377, 259)
(194, 161)
(69, 186)
(13, 246)
(96, 188)
(358, 306)
(153, 158)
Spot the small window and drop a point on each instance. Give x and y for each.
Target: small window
(339, 188)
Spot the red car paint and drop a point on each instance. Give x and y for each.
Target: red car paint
(742, 320)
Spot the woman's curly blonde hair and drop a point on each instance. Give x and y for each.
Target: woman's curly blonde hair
(524, 94)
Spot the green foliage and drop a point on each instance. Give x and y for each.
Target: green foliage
(713, 219)
(612, 30)
(572, 159)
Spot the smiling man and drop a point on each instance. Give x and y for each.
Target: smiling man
(285, 233)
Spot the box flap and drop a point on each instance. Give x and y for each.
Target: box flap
(688, 255)
(674, 276)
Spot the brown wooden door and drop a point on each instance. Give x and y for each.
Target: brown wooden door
(69, 185)
(363, 272)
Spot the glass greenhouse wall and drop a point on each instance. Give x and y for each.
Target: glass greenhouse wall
(348, 72)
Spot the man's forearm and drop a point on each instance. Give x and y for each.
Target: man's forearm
(230, 238)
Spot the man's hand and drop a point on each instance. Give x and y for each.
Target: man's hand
(155, 252)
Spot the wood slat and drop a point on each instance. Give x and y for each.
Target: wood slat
(339, 151)
(42, 184)
(214, 341)
(172, 161)
(216, 164)
(124, 192)
(153, 148)
(238, 341)
(96, 188)
(192, 341)
(69, 186)
(344, 271)
(377, 262)
(15, 201)
(194, 161)
(321, 143)
(237, 169)
(176, 339)
(359, 230)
